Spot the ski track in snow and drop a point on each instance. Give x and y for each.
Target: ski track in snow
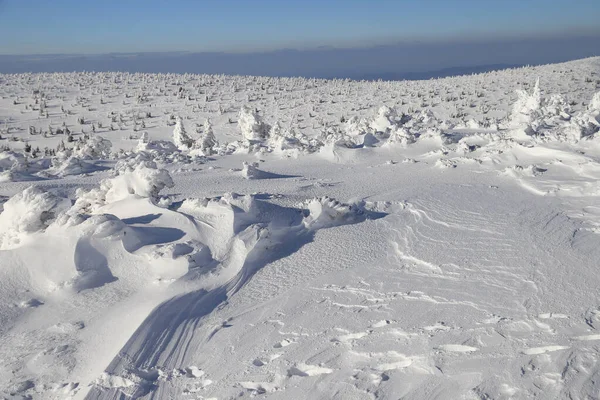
(463, 263)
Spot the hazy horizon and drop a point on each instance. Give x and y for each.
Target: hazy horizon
(402, 60)
(354, 39)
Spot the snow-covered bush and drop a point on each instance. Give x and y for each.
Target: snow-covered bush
(583, 125)
(128, 164)
(252, 126)
(29, 211)
(132, 181)
(71, 166)
(291, 142)
(92, 148)
(335, 137)
(143, 142)
(162, 151)
(556, 106)
(594, 105)
(356, 126)
(385, 120)
(18, 167)
(11, 163)
(580, 127)
(527, 104)
(400, 135)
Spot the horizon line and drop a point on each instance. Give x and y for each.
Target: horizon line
(462, 38)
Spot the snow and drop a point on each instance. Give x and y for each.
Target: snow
(200, 236)
(28, 212)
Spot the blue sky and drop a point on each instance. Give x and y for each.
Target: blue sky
(101, 26)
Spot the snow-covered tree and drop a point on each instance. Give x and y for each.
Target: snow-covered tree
(207, 141)
(180, 136)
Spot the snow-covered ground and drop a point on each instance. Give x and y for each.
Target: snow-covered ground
(197, 237)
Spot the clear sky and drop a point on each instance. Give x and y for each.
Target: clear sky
(101, 26)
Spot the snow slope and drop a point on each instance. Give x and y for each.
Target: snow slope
(291, 238)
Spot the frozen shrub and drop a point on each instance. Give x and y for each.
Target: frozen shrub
(556, 105)
(10, 163)
(28, 212)
(130, 163)
(385, 119)
(71, 166)
(134, 181)
(143, 141)
(527, 105)
(594, 105)
(251, 125)
(586, 123)
(401, 135)
(356, 126)
(92, 148)
(290, 142)
(335, 137)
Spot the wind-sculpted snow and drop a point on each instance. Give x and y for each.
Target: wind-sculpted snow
(241, 238)
(195, 236)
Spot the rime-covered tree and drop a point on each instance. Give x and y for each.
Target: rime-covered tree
(180, 136)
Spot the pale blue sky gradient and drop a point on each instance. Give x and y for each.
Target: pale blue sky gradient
(103, 26)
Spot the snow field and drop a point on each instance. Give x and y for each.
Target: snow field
(220, 237)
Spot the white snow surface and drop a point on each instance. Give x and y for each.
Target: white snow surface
(219, 237)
